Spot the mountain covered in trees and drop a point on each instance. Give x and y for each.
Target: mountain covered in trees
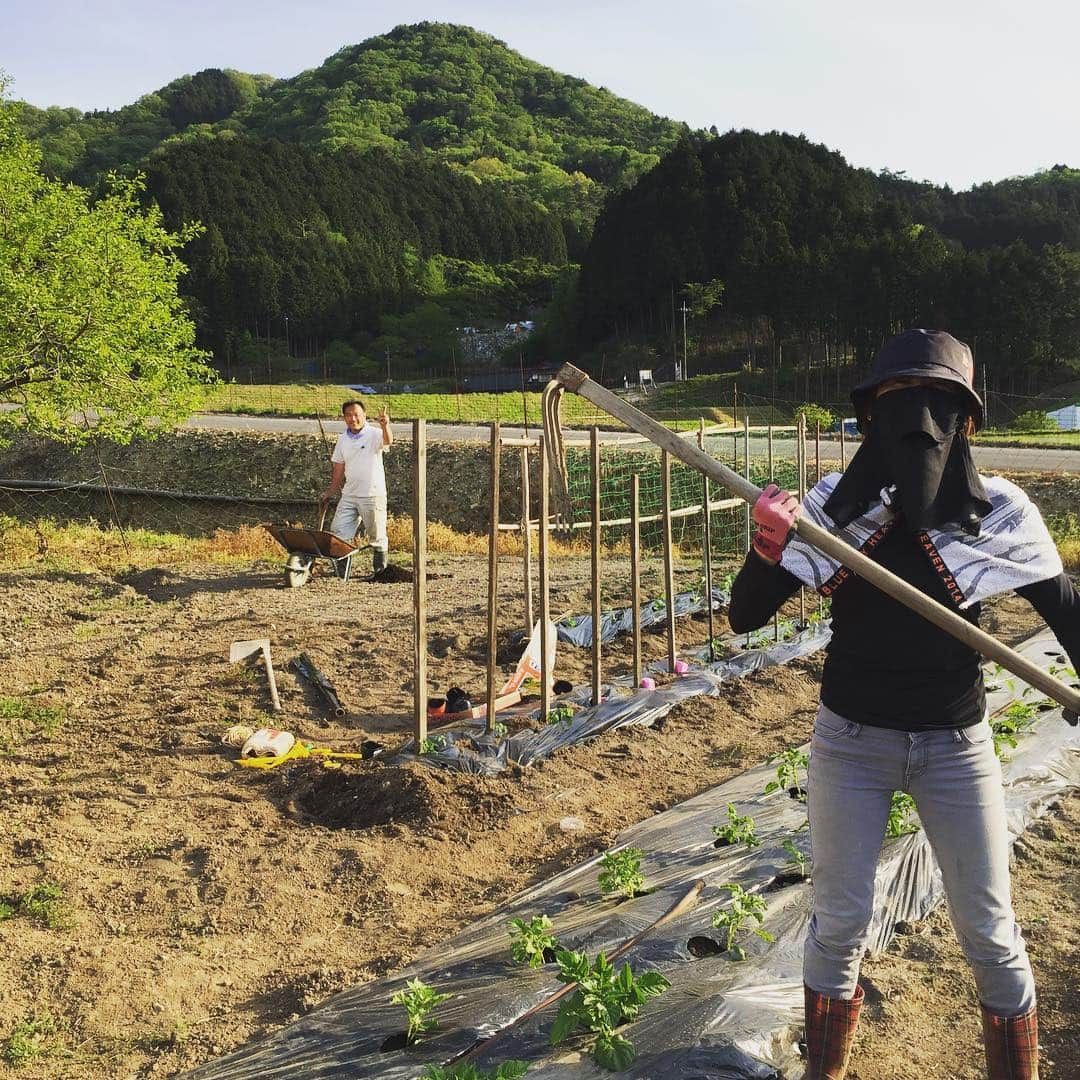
(804, 250)
(461, 94)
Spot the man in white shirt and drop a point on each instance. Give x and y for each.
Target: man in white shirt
(357, 475)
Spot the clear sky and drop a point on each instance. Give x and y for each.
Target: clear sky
(953, 91)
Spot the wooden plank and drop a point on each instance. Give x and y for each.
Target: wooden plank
(669, 564)
(493, 575)
(594, 499)
(420, 651)
(526, 540)
(573, 378)
(683, 511)
(635, 572)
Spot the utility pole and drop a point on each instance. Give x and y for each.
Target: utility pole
(986, 400)
(685, 311)
(288, 351)
(387, 351)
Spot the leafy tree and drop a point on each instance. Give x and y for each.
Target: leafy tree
(94, 340)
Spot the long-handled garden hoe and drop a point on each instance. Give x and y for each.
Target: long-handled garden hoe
(577, 381)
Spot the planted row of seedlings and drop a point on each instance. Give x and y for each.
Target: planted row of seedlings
(606, 998)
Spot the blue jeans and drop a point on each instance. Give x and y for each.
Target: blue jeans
(955, 779)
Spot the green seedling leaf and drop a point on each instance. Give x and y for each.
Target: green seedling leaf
(419, 1000)
(900, 813)
(530, 940)
(620, 871)
(738, 830)
(745, 910)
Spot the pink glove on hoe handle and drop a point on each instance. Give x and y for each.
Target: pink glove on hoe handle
(774, 515)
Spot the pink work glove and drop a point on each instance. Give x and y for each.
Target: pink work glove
(774, 515)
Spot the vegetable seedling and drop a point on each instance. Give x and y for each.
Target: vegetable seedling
(499, 729)
(418, 1000)
(602, 1001)
(1015, 720)
(561, 714)
(464, 1070)
(788, 763)
(433, 744)
(621, 872)
(530, 940)
(903, 805)
(797, 863)
(738, 830)
(745, 910)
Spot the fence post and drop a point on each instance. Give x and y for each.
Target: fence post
(749, 509)
(493, 576)
(706, 542)
(526, 540)
(594, 493)
(635, 571)
(669, 567)
(801, 460)
(545, 594)
(420, 680)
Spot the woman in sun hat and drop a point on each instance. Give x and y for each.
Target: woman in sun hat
(903, 706)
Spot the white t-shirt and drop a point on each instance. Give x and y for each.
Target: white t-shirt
(361, 454)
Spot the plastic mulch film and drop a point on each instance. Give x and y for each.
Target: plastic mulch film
(467, 750)
(577, 629)
(720, 1019)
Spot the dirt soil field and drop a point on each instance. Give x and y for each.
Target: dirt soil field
(199, 904)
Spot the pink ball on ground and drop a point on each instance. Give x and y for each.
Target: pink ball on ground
(681, 667)
(648, 684)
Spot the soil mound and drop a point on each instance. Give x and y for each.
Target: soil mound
(372, 794)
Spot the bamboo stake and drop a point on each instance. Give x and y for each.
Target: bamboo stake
(545, 594)
(594, 493)
(420, 679)
(669, 565)
(817, 480)
(493, 577)
(800, 464)
(746, 474)
(526, 540)
(772, 480)
(706, 544)
(574, 379)
(635, 571)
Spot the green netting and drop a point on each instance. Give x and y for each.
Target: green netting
(618, 465)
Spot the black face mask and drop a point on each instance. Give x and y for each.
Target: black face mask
(915, 444)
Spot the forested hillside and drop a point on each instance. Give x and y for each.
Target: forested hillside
(815, 254)
(335, 240)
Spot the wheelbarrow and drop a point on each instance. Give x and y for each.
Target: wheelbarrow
(306, 545)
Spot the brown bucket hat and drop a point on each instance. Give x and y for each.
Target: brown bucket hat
(923, 354)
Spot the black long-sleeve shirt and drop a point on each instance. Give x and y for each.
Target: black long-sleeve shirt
(885, 665)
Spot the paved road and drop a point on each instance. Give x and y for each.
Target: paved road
(987, 458)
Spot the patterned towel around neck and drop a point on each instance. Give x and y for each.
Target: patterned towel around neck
(1013, 549)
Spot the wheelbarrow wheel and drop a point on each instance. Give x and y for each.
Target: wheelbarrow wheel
(297, 571)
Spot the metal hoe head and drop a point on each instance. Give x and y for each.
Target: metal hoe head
(241, 650)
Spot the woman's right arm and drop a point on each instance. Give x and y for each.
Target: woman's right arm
(758, 592)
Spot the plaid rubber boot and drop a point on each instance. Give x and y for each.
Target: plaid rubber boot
(1012, 1045)
(830, 1031)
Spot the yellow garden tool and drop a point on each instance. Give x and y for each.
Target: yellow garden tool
(299, 750)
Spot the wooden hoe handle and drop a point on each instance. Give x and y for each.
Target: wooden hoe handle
(575, 379)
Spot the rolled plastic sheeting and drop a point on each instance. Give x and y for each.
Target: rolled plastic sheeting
(721, 1019)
